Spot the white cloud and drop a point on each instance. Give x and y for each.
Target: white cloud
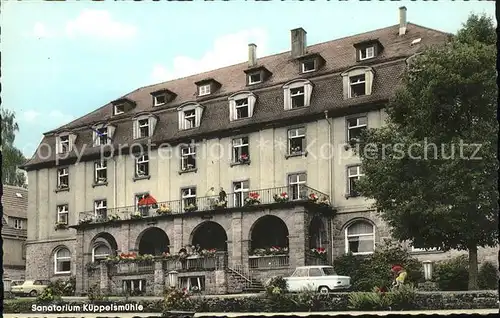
(227, 50)
(99, 23)
(40, 31)
(30, 115)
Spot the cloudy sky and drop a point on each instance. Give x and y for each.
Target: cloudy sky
(61, 60)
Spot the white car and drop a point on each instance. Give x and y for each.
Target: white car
(320, 278)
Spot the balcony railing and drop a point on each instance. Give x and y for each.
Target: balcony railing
(294, 193)
(139, 267)
(269, 261)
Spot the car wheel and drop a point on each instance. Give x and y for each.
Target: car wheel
(324, 290)
(33, 293)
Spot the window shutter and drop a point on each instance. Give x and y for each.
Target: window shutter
(152, 125)
(95, 138)
(111, 132)
(72, 141)
(232, 109)
(369, 82)
(181, 120)
(286, 95)
(251, 105)
(58, 145)
(136, 129)
(345, 81)
(307, 93)
(198, 113)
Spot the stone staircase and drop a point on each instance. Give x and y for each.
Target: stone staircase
(241, 281)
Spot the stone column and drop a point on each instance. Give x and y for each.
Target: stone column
(104, 279)
(159, 278)
(220, 282)
(297, 239)
(178, 232)
(235, 248)
(79, 264)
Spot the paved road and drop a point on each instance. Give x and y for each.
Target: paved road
(300, 314)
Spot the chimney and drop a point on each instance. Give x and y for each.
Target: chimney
(402, 20)
(299, 43)
(252, 55)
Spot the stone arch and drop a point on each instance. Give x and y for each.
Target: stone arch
(101, 244)
(359, 236)
(268, 231)
(209, 235)
(153, 241)
(317, 232)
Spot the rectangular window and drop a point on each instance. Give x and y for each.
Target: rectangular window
(240, 189)
(190, 119)
(366, 53)
(142, 166)
(254, 78)
(134, 287)
(355, 126)
(101, 136)
(241, 152)
(160, 100)
(100, 210)
(119, 109)
(357, 86)
(188, 197)
(64, 144)
(101, 172)
(143, 209)
(143, 128)
(18, 224)
(193, 284)
(188, 158)
(353, 175)
(297, 186)
(308, 66)
(204, 90)
(63, 178)
(296, 141)
(242, 108)
(62, 214)
(298, 97)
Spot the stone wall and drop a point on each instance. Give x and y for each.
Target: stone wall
(40, 258)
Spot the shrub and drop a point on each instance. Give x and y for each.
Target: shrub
(64, 287)
(276, 285)
(371, 271)
(94, 293)
(402, 298)
(49, 294)
(488, 276)
(368, 301)
(176, 299)
(452, 274)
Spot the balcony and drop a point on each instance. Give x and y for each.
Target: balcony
(247, 199)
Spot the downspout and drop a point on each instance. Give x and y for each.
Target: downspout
(330, 186)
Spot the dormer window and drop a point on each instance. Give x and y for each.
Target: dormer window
(65, 143)
(357, 81)
(122, 105)
(162, 97)
(366, 53)
(254, 78)
(144, 126)
(190, 116)
(241, 105)
(119, 109)
(204, 90)
(160, 100)
(297, 94)
(309, 66)
(102, 134)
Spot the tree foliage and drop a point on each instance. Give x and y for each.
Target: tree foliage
(12, 157)
(432, 169)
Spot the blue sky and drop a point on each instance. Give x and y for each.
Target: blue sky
(61, 60)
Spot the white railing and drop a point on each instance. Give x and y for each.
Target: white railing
(269, 261)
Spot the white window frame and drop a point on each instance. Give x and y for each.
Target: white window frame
(190, 195)
(300, 92)
(145, 124)
(251, 82)
(244, 105)
(99, 206)
(307, 92)
(157, 103)
(241, 192)
(204, 90)
(237, 145)
(67, 142)
(100, 166)
(313, 61)
(369, 52)
(294, 180)
(142, 159)
(100, 256)
(63, 214)
(347, 236)
(118, 111)
(98, 141)
(294, 133)
(358, 82)
(368, 74)
(58, 259)
(186, 152)
(233, 108)
(359, 173)
(18, 223)
(190, 120)
(197, 110)
(357, 126)
(62, 172)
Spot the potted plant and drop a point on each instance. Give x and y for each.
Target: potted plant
(61, 226)
(190, 208)
(313, 197)
(282, 197)
(243, 158)
(253, 198)
(319, 252)
(164, 209)
(296, 150)
(136, 215)
(86, 220)
(114, 217)
(209, 252)
(220, 204)
(323, 201)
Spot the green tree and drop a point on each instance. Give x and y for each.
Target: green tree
(12, 157)
(432, 169)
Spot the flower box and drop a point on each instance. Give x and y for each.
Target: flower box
(319, 252)
(243, 158)
(190, 208)
(282, 197)
(61, 226)
(313, 197)
(253, 198)
(164, 209)
(136, 215)
(114, 217)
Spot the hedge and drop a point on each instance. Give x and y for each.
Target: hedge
(303, 302)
